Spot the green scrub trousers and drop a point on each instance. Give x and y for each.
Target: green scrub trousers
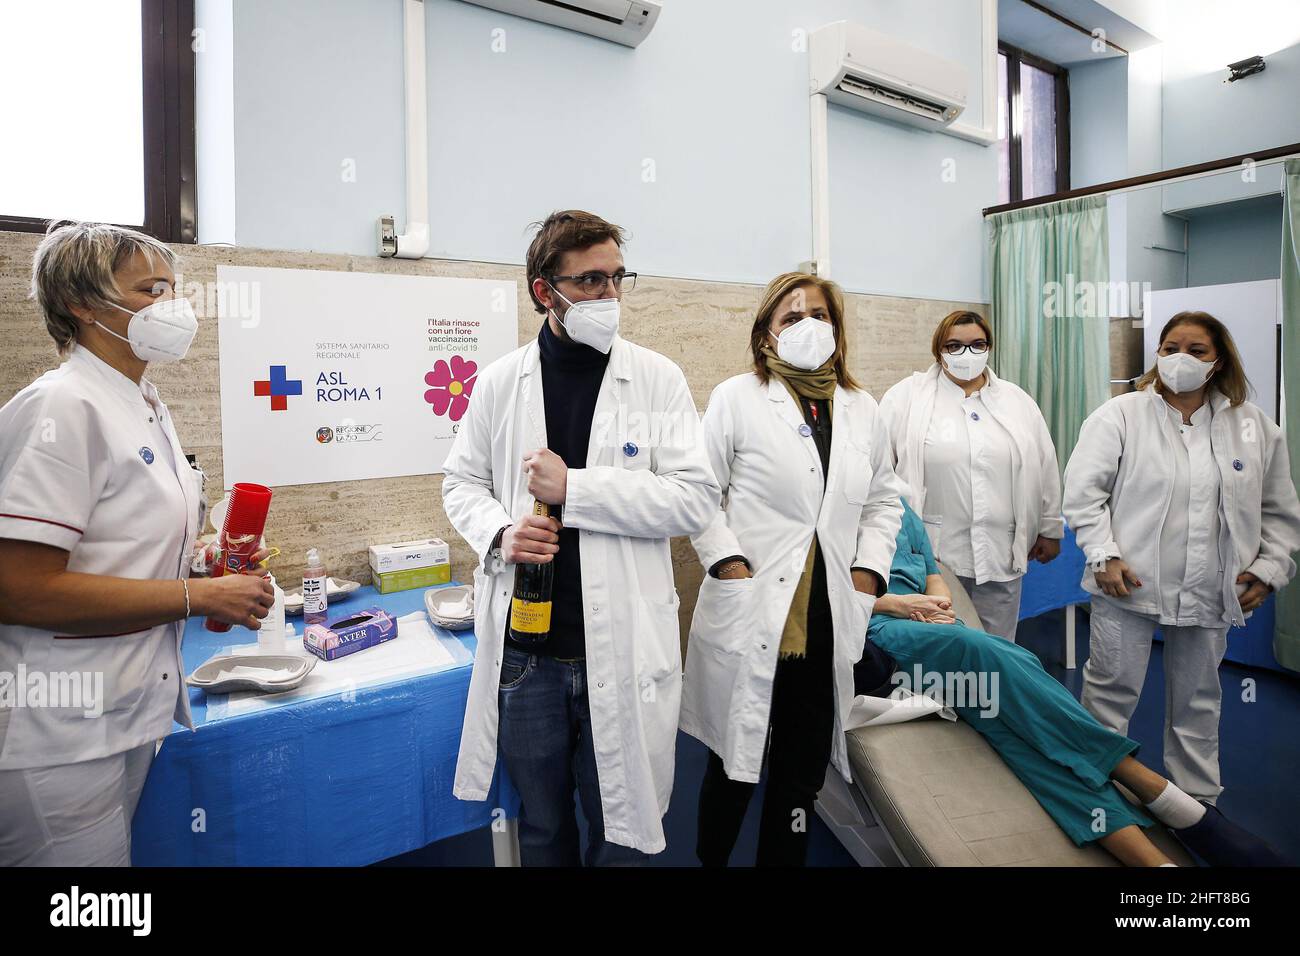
(1056, 748)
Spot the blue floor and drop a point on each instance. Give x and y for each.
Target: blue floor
(475, 849)
(1257, 739)
(1261, 773)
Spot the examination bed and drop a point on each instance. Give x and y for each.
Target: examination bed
(933, 792)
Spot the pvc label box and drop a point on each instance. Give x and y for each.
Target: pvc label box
(410, 564)
(405, 555)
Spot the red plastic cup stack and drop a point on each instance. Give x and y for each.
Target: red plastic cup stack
(240, 534)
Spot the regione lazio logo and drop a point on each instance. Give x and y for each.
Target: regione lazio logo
(279, 387)
(450, 386)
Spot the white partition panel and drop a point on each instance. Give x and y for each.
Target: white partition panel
(1250, 310)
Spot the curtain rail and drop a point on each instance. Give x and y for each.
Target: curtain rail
(1193, 171)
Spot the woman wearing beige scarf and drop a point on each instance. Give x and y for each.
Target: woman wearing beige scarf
(795, 558)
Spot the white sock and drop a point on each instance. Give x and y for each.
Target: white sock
(1175, 809)
(1169, 864)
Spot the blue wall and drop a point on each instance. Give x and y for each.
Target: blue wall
(715, 99)
(317, 84)
(1206, 118)
(1237, 243)
(1098, 122)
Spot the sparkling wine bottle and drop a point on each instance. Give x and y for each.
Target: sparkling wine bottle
(530, 608)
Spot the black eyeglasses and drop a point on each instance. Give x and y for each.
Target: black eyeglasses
(979, 347)
(593, 283)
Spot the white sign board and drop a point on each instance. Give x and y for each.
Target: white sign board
(335, 376)
(1250, 310)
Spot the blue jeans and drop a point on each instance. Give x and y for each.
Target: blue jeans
(544, 738)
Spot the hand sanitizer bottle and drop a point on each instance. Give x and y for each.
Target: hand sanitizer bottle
(271, 638)
(315, 597)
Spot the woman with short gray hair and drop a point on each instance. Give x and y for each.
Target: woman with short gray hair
(99, 511)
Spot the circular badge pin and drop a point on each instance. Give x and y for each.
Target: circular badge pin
(1236, 463)
(804, 430)
(147, 454)
(630, 449)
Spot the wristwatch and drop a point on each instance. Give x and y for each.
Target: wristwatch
(494, 552)
(727, 563)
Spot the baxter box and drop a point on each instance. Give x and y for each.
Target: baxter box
(391, 581)
(350, 633)
(405, 555)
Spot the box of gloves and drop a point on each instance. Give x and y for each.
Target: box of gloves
(350, 633)
(410, 564)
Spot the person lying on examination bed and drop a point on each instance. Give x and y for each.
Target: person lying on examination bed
(1059, 751)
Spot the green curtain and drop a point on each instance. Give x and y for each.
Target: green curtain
(1286, 629)
(1049, 285)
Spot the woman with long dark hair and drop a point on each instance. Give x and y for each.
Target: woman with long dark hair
(1181, 497)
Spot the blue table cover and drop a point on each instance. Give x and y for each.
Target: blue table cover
(322, 782)
(1056, 584)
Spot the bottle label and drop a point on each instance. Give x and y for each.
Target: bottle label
(530, 617)
(313, 594)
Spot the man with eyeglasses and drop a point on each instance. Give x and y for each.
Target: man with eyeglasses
(980, 467)
(606, 433)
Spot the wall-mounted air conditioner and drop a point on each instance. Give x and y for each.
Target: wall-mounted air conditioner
(869, 71)
(624, 21)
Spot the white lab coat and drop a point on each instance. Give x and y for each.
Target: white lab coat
(627, 506)
(775, 498)
(1036, 491)
(80, 469)
(1119, 482)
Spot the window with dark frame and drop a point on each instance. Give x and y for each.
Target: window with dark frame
(166, 121)
(1033, 126)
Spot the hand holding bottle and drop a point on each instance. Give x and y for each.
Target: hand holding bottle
(531, 545)
(548, 476)
(533, 539)
(243, 599)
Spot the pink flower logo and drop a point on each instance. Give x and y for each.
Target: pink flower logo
(451, 386)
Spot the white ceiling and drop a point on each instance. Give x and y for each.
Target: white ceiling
(1039, 33)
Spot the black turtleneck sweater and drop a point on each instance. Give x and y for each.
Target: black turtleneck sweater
(571, 377)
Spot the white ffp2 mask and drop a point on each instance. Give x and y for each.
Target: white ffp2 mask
(160, 332)
(966, 366)
(806, 344)
(1183, 372)
(592, 322)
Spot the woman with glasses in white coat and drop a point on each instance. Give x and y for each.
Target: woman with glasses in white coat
(794, 561)
(1181, 497)
(980, 468)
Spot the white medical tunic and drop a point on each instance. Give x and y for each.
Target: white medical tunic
(970, 470)
(1191, 576)
(90, 463)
